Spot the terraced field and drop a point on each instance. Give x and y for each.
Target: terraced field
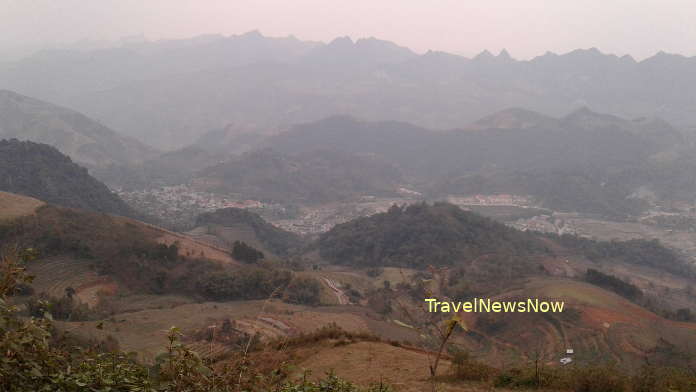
(210, 350)
(145, 331)
(224, 236)
(191, 247)
(54, 275)
(606, 326)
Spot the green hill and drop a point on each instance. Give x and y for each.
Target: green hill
(315, 176)
(278, 241)
(169, 168)
(41, 171)
(422, 234)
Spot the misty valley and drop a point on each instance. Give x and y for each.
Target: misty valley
(251, 213)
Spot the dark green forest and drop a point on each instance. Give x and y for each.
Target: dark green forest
(41, 171)
(420, 235)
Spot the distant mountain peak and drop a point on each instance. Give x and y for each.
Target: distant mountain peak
(587, 118)
(591, 53)
(663, 57)
(582, 111)
(504, 55)
(628, 58)
(369, 39)
(253, 34)
(583, 115)
(651, 128)
(485, 55)
(83, 139)
(345, 52)
(514, 118)
(345, 41)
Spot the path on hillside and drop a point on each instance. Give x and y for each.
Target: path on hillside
(340, 295)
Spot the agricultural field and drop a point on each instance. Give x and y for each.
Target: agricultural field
(190, 247)
(598, 324)
(225, 236)
(54, 275)
(145, 331)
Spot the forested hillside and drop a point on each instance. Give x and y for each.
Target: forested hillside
(169, 168)
(278, 241)
(319, 175)
(420, 235)
(41, 171)
(585, 162)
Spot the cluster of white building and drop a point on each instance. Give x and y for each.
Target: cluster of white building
(491, 200)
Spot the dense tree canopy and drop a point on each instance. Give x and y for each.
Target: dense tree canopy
(420, 235)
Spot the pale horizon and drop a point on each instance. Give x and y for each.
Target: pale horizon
(539, 26)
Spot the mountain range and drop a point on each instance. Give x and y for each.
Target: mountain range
(83, 139)
(169, 93)
(318, 175)
(584, 161)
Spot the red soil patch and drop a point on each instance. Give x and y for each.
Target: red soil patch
(596, 317)
(89, 292)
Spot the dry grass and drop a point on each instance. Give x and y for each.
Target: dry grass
(53, 275)
(145, 332)
(13, 206)
(368, 363)
(192, 248)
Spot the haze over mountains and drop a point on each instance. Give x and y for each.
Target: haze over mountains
(584, 161)
(83, 139)
(362, 177)
(319, 175)
(169, 93)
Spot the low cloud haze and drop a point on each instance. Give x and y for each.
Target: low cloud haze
(525, 28)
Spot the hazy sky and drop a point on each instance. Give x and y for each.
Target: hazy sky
(525, 27)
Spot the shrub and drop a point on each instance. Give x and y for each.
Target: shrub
(64, 308)
(464, 368)
(32, 361)
(246, 253)
(600, 379)
(613, 283)
(303, 290)
(374, 272)
(247, 283)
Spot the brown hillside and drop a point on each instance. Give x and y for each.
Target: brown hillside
(13, 206)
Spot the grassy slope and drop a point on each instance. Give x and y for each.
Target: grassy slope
(608, 326)
(13, 206)
(598, 324)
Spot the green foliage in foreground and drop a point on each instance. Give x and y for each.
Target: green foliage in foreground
(32, 360)
(593, 378)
